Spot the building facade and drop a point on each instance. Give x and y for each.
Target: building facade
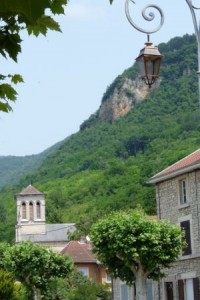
(122, 291)
(178, 200)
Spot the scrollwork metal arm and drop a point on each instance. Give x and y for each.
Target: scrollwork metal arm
(148, 17)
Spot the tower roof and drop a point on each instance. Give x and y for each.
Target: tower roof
(30, 190)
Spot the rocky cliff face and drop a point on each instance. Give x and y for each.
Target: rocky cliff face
(123, 99)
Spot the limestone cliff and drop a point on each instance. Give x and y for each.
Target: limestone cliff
(122, 99)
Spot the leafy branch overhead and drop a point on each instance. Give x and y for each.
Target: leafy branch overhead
(16, 16)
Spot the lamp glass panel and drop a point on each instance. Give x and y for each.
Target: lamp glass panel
(149, 67)
(141, 67)
(157, 66)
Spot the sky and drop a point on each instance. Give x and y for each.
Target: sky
(66, 74)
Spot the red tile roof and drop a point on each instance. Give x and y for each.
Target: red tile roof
(30, 190)
(189, 162)
(79, 252)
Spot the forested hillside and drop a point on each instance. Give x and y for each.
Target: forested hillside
(105, 166)
(12, 168)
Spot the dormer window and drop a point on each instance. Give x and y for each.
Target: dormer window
(183, 191)
(24, 217)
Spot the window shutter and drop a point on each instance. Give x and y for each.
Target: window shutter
(180, 290)
(186, 227)
(196, 288)
(149, 290)
(124, 292)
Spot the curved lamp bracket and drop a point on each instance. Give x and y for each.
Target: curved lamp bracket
(189, 2)
(147, 16)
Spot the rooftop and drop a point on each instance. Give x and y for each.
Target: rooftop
(30, 190)
(186, 164)
(80, 252)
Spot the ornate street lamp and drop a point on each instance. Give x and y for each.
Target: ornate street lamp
(148, 63)
(149, 59)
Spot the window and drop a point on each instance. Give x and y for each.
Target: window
(38, 210)
(185, 225)
(23, 210)
(188, 289)
(183, 191)
(124, 292)
(169, 290)
(31, 211)
(84, 271)
(108, 278)
(149, 290)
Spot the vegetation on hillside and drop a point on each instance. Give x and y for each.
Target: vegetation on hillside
(15, 167)
(105, 167)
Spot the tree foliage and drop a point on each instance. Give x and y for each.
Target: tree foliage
(90, 290)
(35, 266)
(29, 271)
(134, 246)
(75, 287)
(7, 286)
(10, 289)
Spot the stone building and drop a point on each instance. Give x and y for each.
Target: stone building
(178, 199)
(31, 221)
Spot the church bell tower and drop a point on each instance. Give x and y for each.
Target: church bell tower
(30, 213)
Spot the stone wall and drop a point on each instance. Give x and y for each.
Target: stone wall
(169, 207)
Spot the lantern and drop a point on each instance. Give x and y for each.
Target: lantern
(148, 63)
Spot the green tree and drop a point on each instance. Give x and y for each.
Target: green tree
(90, 290)
(135, 247)
(36, 266)
(76, 287)
(7, 286)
